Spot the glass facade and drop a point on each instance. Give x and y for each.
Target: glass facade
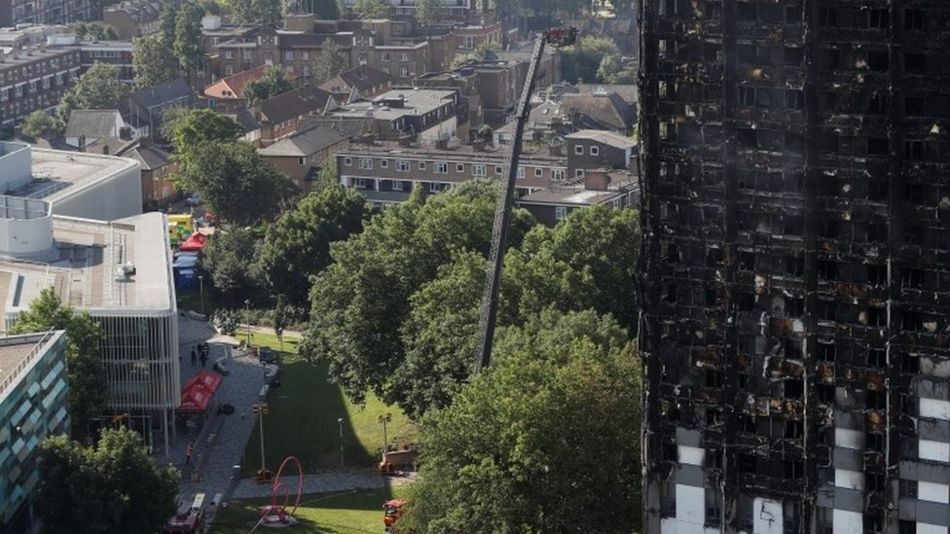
(32, 407)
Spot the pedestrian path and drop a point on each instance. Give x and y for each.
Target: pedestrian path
(320, 483)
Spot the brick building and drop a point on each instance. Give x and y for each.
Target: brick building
(35, 78)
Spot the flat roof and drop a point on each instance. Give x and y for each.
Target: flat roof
(83, 267)
(578, 198)
(415, 102)
(15, 353)
(491, 154)
(59, 174)
(603, 136)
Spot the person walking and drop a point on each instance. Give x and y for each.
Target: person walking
(194, 357)
(204, 358)
(188, 452)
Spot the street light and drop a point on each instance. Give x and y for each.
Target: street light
(383, 419)
(201, 285)
(340, 421)
(247, 317)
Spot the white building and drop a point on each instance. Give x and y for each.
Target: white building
(119, 270)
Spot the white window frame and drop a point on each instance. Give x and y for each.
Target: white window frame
(404, 71)
(479, 169)
(521, 173)
(434, 187)
(348, 161)
(459, 167)
(578, 173)
(359, 183)
(384, 163)
(594, 150)
(578, 150)
(557, 174)
(302, 161)
(288, 55)
(442, 167)
(422, 165)
(366, 164)
(403, 165)
(538, 172)
(397, 185)
(560, 212)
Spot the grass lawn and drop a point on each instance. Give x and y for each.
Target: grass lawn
(347, 512)
(303, 413)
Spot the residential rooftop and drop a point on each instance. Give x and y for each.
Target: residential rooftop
(560, 197)
(602, 136)
(397, 103)
(451, 152)
(58, 175)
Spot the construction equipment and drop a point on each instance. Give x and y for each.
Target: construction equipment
(556, 37)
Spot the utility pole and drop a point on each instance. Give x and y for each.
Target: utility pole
(340, 421)
(383, 419)
(261, 409)
(201, 285)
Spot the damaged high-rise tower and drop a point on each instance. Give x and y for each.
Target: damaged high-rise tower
(796, 291)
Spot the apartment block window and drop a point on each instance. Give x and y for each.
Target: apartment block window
(468, 42)
(228, 70)
(359, 183)
(362, 59)
(288, 55)
(384, 163)
(459, 167)
(301, 161)
(521, 173)
(305, 54)
(914, 19)
(479, 170)
(404, 56)
(560, 212)
(879, 18)
(579, 150)
(498, 169)
(578, 173)
(397, 185)
(228, 54)
(402, 165)
(422, 165)
(557, 174)
(441, 167)
(366, 163)
(348, 161)
(594, 150)
(434, 187)
(246, 54)
(404, 71)
(18, 91)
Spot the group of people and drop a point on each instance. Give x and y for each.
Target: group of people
(202, 351)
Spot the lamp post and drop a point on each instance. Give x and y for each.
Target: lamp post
(383, 419)
(201, 290)
(340, 421)
(247, 317)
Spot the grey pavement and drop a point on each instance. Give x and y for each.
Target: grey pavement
(321, 483)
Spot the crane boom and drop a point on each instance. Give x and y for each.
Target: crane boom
(499, 238)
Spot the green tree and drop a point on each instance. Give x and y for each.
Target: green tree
(372, 9)
(169, 24)
(188, 129)
(93, 31)
(484, 50)
(428, 11)
(234, 181)
(88, 393)
(323, 9)
(328, 63)
(588, 261)
(437, 364)
(359, 302)
(272, 83)
(582, 60)
(113, 487)
(298, 244)
(40, 124)
(227, 259)
(268, 13)
(545, 440)
(151, 61)
(611, 70)
(99, 88)
(187, 44)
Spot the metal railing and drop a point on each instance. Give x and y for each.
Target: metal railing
(26, 361)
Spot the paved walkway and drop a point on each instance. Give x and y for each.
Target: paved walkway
(322, 483)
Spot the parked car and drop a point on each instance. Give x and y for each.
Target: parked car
(266, 355)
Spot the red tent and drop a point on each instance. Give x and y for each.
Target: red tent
(197, 392)
(194, 243)
(195, 399)
(208, 380)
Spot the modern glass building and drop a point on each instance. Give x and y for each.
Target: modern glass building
(32, 406)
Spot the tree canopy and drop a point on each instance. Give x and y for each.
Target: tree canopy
(428, 11)
(88, 393)
(190, 128)
(112, 487)
(272, 83)
(228, 258)
(582, 60)
(547, 439)
(94, 31)
(588, 261)
(328, 63)
(298, 244)
(372, 9)
(359, 302)
(151, 61)
(99, 88)
(187, 46)
(234, 181)
(40, 124)
(268, 13)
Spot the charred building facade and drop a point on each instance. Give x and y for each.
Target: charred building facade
(796, 292)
